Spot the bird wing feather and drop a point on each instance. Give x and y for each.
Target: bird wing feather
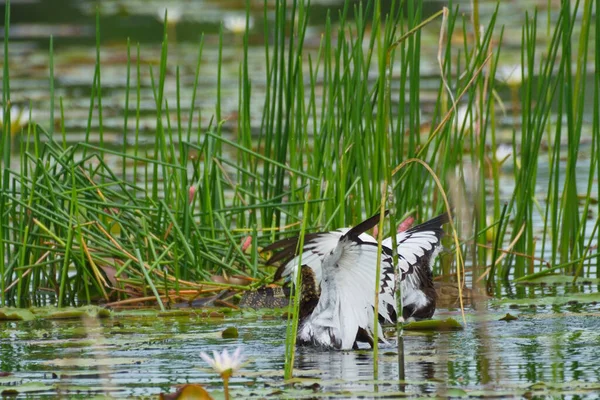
(316, 248)
(417, 248)
(354, 274)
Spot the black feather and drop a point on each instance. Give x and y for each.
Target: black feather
(364, 226)
(434, 224)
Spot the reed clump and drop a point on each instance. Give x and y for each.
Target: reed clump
(336, 122)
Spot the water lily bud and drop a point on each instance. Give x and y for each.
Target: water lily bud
(407, 223)
(246, 243)
(191, 194)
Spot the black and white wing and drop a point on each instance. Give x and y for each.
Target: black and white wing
(417, 248)
(319, 245)
(346, 304)
(316, 247)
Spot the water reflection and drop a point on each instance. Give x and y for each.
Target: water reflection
(146, 355)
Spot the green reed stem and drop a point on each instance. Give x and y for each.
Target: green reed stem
(126, 114)
(6, 146)
(596, 119)
(293, 317)
(64, 272)
(51, 66)
(99, 85)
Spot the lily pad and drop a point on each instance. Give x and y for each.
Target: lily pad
(557, 279)
(68, 343)
(230, 333)
(29, 387)
(15, 314)
(189, 391)
(9, 380)
(175, 313)
(538, 386)
(508, 317)
(91, 392)
(455, 392)
(550, 300)
(448, 324)
(87, 374)
(136, 313)
(70, 312)
(93, 362)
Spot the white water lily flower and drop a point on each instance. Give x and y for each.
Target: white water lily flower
(19, 118)
(237, 23)
(512, 75)
(174, 14)
(222, 363)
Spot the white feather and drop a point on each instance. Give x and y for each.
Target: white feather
(318, 248)
(347, 295)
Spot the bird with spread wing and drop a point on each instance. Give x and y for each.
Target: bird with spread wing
(338, 280)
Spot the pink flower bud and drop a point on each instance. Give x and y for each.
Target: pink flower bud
(407, 223)
(191, 194)
(246, 243)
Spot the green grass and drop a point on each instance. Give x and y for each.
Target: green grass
(336, 122)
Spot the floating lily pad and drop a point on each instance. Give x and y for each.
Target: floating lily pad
(70, 312)
(508, 317)
(68, 343)
(189, 391)
(279, 373)
(99, 390)
(538, 386)
(550, 300)
(175, 313)
(455, 392)
(9, 380)
(19, 314)
(29, 387)
(93, 362)
(448, 324)
(142, 312)
(557, 279)
(15, 314)
(87, 374)
(230, 333)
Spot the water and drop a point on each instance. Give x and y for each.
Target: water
(137, 353)
(72, 24)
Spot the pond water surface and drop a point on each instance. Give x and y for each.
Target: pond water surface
(551, 349)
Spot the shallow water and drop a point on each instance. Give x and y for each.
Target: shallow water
(72, 24)
(137, 353)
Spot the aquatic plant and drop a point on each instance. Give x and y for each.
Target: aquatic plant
(320, 150)
(225, 365)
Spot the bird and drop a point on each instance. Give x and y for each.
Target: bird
(338, 280)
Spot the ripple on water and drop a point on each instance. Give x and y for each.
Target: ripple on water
(489, 354)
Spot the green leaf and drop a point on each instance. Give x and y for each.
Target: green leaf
(230, 333)
(508, 318)
(449, 324)
(15, 314)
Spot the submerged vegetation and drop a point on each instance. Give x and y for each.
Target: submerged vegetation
(340, 131)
